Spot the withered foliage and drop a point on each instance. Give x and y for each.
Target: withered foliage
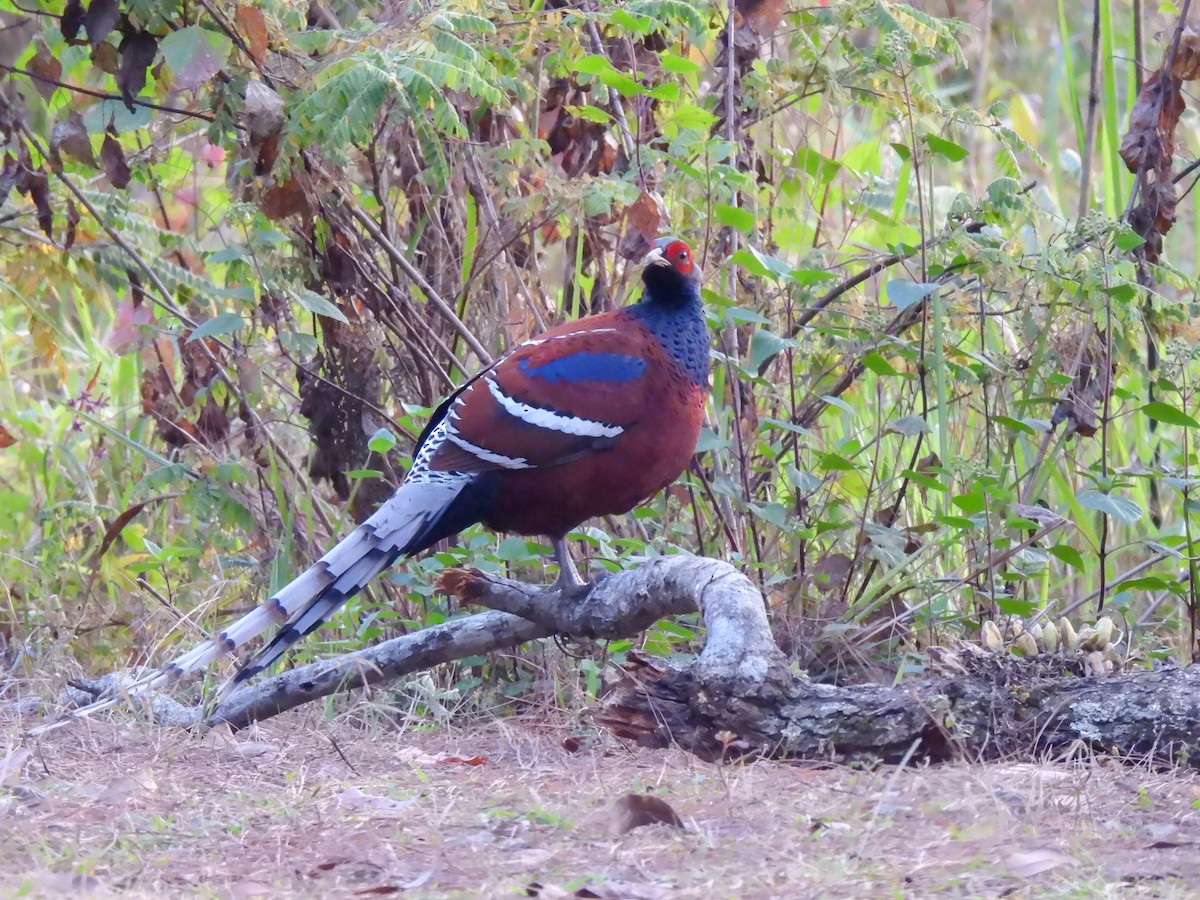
(1148, 147)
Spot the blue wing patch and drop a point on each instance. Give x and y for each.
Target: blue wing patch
(578, 367)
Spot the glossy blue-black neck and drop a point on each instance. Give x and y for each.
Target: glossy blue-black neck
(671, 310)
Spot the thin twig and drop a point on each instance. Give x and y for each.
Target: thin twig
(412, 272)
(614, 98)
(1093, 110)
(104, 95)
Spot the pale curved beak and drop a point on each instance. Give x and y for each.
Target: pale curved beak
(655, 258)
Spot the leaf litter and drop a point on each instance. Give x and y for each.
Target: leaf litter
(361, 808)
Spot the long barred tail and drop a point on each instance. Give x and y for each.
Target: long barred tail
(409, 521)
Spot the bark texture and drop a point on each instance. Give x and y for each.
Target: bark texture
(739, 696)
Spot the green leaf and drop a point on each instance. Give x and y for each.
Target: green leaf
(595, 64)
(973, 502)
(668, 92)
(1011, 606)
(1123, 292)
(513, 549)
(315, 303)
(692, 117)
(765, 346)
(1164, 412)
(1014, 424)
(834, 463)
(194, 55)
(1119, 508)
(677, 64)
(1126, 239)
(298, 343)
(879, 365)
(381, 441)
(773, 513)
(709, 440)
(226, 323)
(735, 217)
(904, 294)
(821, 168)
(760, 264)
(589, 114)
(1067, 554)
(960, 522)
(952, 151)
(909, 426)
(804, 276)
(229, 254)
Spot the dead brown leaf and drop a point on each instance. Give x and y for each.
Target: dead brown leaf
(287, 199)
(123, 788)
(99, 20)
(6, 438)
(106, 58)
(647, 218)
(113, 158)
(253, 26)
(138, 49)
(71, 137)
(1186, 64)
(461, 761)
(45, 65)
(635, 810)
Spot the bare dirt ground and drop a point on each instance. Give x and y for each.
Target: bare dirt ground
(301, 807)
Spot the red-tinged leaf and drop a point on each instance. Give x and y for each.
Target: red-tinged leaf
(113, 531)
(460, 761)
(287, 199)
(99, 20)
(253, 27)
(6, 438)
(127, 326)
(138, 49)
(194, 55)
(46, 67)
(113, 158)
(212, 155)
(646, 218)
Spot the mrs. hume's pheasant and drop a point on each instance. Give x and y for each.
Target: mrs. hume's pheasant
(591, 418)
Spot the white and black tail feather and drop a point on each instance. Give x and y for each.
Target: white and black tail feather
(428, 506)
(407, 523)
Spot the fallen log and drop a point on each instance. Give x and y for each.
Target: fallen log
(739, 695)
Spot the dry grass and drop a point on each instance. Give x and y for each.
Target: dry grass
(347, 809)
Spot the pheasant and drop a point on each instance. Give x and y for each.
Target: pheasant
(590, 418)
